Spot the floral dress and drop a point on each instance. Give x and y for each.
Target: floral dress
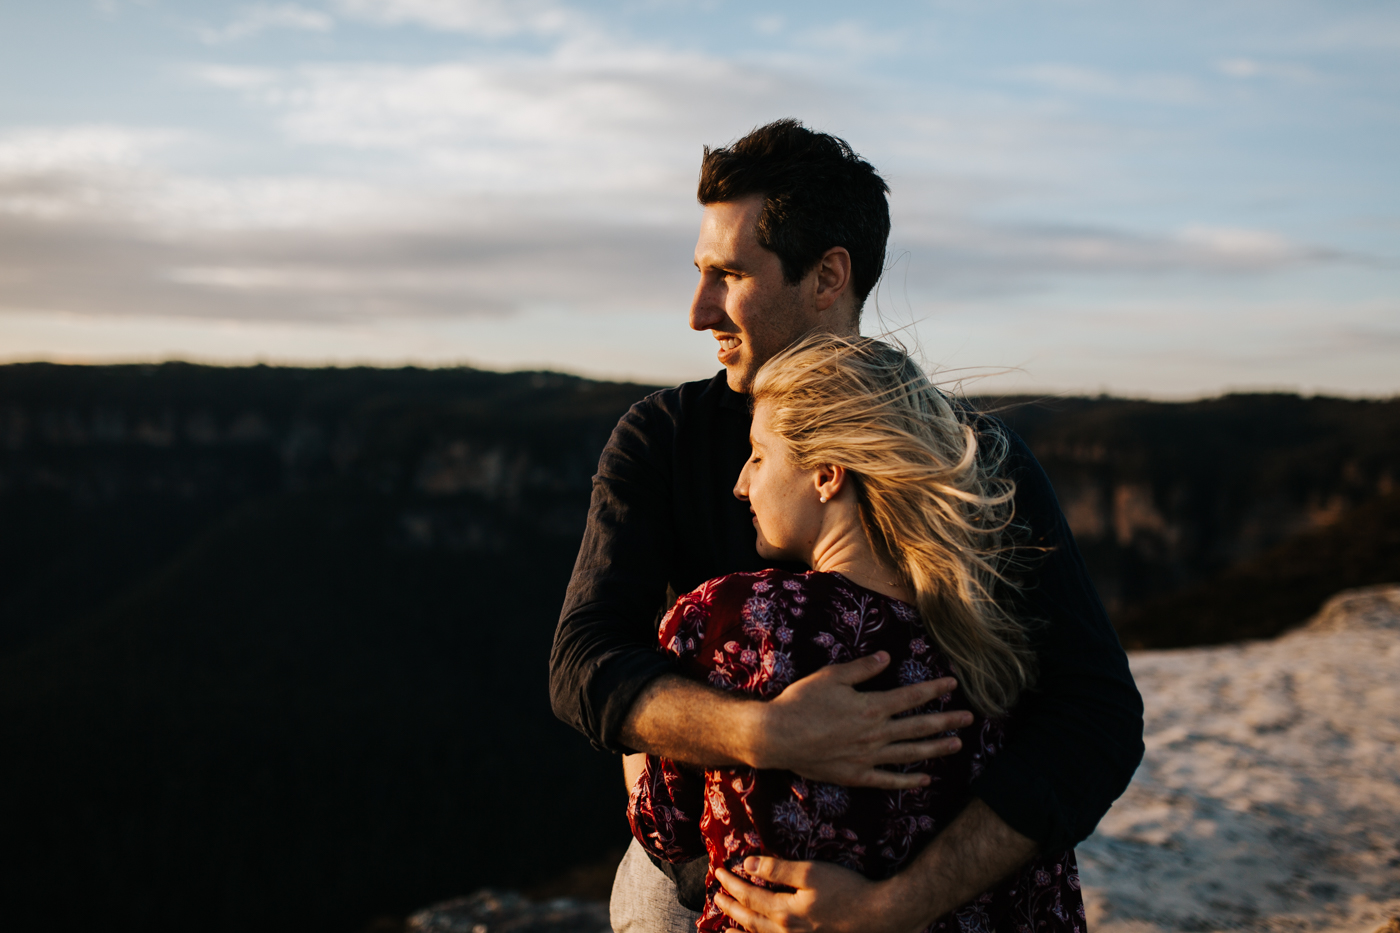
(755, 633)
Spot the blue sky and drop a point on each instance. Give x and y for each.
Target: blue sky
(1152, 198)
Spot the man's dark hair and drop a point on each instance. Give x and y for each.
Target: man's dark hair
(817, 193)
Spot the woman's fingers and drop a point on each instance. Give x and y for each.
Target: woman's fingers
(778, 871)
(747, 904)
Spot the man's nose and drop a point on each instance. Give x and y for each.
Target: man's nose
(706, 310)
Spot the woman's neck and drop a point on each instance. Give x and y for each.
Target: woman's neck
(849, 553)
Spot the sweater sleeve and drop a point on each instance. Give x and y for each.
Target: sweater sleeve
(604, 646)
(1074, 741)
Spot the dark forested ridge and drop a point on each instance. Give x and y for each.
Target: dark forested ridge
(273, 641)
(1165, 497)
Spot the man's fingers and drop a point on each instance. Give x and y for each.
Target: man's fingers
(901, 699)
(905, 753)
(888, 780)
(857, 671)
(926, 726)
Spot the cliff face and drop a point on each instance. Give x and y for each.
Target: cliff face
(106, 472)
(272, 643)
(1162, 496)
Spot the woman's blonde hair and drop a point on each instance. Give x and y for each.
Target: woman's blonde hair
(930, 496)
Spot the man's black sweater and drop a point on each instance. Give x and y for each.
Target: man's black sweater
(664, 515)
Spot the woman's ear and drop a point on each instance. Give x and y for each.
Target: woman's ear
(830, 480)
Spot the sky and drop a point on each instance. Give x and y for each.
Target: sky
(1161, 199)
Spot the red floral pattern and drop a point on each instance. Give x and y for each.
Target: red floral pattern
(756, 633)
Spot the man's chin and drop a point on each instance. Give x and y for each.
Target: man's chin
(739, 377)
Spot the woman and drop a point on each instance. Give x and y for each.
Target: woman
(864, 472)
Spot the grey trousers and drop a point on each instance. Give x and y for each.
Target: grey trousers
(644, 900)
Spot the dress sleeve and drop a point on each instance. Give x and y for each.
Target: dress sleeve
(604, 646)
(1074, 741)
(664, 810)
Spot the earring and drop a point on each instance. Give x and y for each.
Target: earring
(824, 498)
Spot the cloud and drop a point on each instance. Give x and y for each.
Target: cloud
(85, 146)
(307, 249)
(1164, 88)
(1376, 30)
(577, 119)
(562, 179)
(962, 255)
(1247, 68)
(489, 18)
(262, 17)
(56, 172)
(140, 241)
(850, 38)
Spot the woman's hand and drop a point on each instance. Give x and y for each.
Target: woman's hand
(827, 899)
(825, 730)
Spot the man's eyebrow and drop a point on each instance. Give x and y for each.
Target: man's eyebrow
(721, 266)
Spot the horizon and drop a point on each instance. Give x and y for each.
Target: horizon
(1033, 394)
(1156, 201)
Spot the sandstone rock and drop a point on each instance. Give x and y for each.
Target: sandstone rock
(1269, 798)
(489, 911)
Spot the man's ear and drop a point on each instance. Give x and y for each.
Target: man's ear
(830, 480)
(833, 277)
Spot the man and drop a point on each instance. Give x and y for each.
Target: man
(793, 240)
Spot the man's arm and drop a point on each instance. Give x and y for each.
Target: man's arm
(819, 727)
(976, 851)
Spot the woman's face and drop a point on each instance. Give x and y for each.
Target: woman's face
(784, 500)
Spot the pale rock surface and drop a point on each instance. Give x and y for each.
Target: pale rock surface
(489, 911)
(1269, 798)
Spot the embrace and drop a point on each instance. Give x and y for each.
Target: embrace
(834, 619)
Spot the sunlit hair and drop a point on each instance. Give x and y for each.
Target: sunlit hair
(930, 496)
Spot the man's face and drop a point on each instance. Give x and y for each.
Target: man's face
(742, 297)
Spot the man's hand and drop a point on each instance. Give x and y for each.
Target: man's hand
(827, 899)
(820, 726)
(825, 730)
(973, 853)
